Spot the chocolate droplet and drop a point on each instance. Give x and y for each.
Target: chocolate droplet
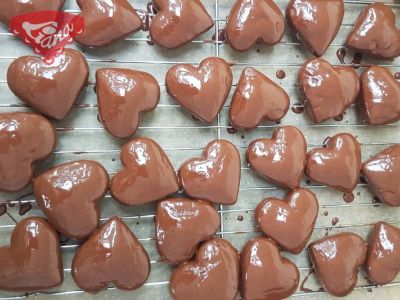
(326, 213)
(341, 53)
(240, 218)
(339, 117)
(280, 74)
(24, 208)
(356, 62)
(298, 109)
(348, 197)
(221, 35)
(335, 221)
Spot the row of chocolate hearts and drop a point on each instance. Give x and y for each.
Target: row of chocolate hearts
(178, 22)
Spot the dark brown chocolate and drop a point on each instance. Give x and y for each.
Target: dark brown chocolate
(122, 95)
(326, 91)
(215, 176)
(32, 262)
(181, 224)
(147, 176)
(289, 222)
(112, 255)
(24, 139)
(338, 164)
(282, 158)
(257, 98)
(51, 88)
(264, 273)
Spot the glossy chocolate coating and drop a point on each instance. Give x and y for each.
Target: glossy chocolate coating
(264, 273)
(315, 22)
(112, 255)
(107, 21)
(32, 262)
(215, 176)
(13, 8)
(122, 95)
(51, 88)
(181, 224)
(282, 158)
(325, 90)
(383, 258)
(178, 22)
(336, 259)
(147, 176)
(382, 172)
(338, 164)
(24, 139)
(203, 90)
(214, 274)
(256, 98)
(289, 222)
(375, 32)
(251, 21)
(69, 194)
(380, 96)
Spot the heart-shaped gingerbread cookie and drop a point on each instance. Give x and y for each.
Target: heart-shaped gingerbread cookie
(107, 21)
(181, 224)
(148, 174)
(336, 260)
(112, 255)
(327, 91)
(32, 262)
(380, 96)
(214, 274)
(69, 194)
(41, 84)
(178, 22)
(203, 90)
(281, 159)
(382, 172)
(265, 274)
(13, 8)
(383, 257)
(289, 222)
(24, 139)
(338, 164)
(256, 98)
(252, 21)
(122, 95)
(375, 32)
(215, 176)
(315, 22)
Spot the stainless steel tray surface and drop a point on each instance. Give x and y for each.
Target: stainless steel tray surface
(81, 136)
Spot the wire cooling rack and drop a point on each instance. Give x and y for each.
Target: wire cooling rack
(81, 136)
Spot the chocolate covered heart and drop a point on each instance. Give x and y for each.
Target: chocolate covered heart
(380, 96)
(215, 176)
(252, 21)
(315, 22)
(178, 22)
(51, 88)
(24, 139)
(383, 257)
(32, 262)
(107, 21)
(13, 8)
(336, 260)
(382, 172)
(122, 95)
(281, 159)
(264, 273)
(289, 222)
(147, 176)
(256, 98)
(337, 164)
(214, 274)
(69, 194)
(181, 224)
(203, 90)
(375, 32)
(325, 90)
(112, 255)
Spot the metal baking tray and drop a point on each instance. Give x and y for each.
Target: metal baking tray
(81, 136)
